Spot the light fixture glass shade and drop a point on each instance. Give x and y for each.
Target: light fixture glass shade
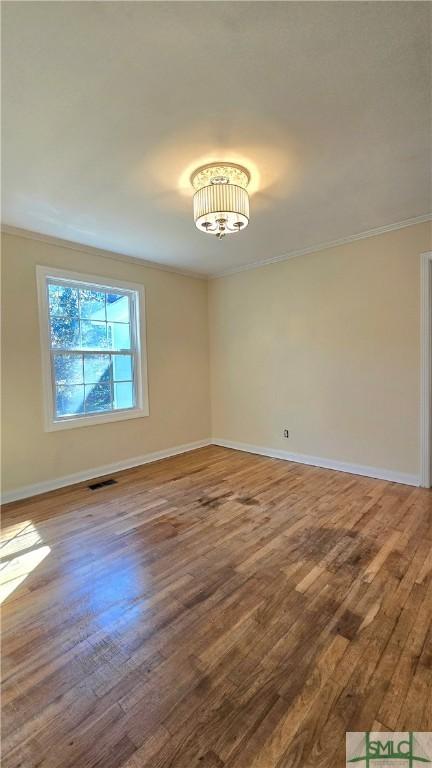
(221, 207)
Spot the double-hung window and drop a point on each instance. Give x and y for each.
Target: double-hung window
(93, 349)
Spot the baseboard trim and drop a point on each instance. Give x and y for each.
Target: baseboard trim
(316, 461)
(91, 474)
(45, 486)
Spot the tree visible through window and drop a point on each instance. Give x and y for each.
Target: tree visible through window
(92, 343)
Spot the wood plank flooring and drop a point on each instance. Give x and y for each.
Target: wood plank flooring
(216, 609)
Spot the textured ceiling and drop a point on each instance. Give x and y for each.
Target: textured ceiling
(108, 107)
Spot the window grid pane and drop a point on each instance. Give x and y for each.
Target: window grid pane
(65, 332)
(123, 394)
(92, 304)
(97, 368)
(73, 379)
(122, 367)
(68, 368)
(63, 301)
(93, 358)
(98, 397)
(69, 400)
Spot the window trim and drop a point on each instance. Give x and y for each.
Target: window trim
(51, 423)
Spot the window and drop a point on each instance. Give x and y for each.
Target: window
(93, 352)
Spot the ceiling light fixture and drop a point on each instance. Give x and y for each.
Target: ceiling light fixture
(221, 202)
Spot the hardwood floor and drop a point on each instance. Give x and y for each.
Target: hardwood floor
(215, 609)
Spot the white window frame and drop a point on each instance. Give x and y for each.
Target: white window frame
(138, 333)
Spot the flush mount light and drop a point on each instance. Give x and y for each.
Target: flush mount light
(221, 203)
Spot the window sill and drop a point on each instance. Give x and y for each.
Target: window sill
(99, 418)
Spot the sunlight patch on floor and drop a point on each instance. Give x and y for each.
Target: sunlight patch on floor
(19, 556)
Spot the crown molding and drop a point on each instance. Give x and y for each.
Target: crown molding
(323, 246)
(91, 250)
(70, 244)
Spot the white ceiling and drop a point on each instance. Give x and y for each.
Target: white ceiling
(108, 107)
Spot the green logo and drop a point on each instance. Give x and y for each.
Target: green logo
(374, 747)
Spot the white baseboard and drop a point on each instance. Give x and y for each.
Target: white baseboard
(90, 474)
(315, 461)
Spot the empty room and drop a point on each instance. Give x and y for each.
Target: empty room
(216, 427)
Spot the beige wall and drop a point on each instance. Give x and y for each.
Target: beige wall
(326, 345)
(177, 339)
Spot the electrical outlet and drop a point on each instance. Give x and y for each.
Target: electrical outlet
(286, 433)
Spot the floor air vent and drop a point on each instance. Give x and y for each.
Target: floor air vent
(102, 484)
